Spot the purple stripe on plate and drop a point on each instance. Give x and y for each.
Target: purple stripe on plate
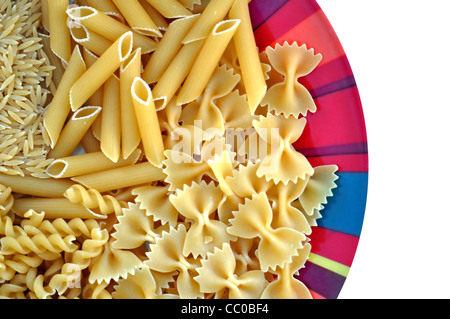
(324, 282)
(334, 87)
(262, 10)
(356, 148)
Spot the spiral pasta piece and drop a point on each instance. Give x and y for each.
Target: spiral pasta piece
(35, 283)
(6, 199)
(38, 244)
(70, 275)
(17, 264)
(94, 200)
(10, 290)
(35, 223)
(6, 202)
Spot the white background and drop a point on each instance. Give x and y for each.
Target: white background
(400, 54)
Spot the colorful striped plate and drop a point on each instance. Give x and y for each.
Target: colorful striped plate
(335, 134)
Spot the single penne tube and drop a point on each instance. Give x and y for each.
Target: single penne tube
(74, 131)
(248, 55)
(172, 79)
(189, 4)
(107, 7)
(101, 71)
(89, 39)
(157, 17)
(89, 142)
(54, 208)
(215, 11)
(168, 48)
(60, 40)
(137, 17)
(130, 135)
(87, 163)
(122, 177)
(53, 59)
(111, 125)
(96, 98)
(148, 122)
(108, 27)
(207, 61)
(59, 109)
(45, 18)
(170, 8)
(41, 187)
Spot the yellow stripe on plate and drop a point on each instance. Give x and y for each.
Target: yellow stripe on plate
(329, 264)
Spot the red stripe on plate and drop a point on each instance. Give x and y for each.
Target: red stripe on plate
(334, 245)
(346, 162)
(315, 295)
(339, 120)
(317, 33)
(286, 18)
(327, 73)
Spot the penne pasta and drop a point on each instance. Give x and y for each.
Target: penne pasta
(207, 61)
(111, 126)
(107, 7)
(60, 40)
(147, 119)
(82, 2)
(74, 131)
(89, 142)
(168, 48)
(101, 71)
(45, 15)
(157, 17)
(172, 79)
(170, 8)
(215, 11)
(189, 4)
(96, 98)
(122, 170)
(53, 59)
(42, 187)
(88, 163)
(54, 208)
(89, 39)
(58, 110)
(248, 55)
(122, 177)
(137, 17)
(108, 27)
(131, 136)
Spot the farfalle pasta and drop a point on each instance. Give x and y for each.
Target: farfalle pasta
(221, 83)
(134, 228)
(283, 163)
(253, 219)
(155, 201)
(158, 158)
(290, 97)
(205, 231)
(217, 274)
(166, 256)
(285, 286)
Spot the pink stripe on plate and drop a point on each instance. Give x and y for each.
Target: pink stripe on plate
(334, 245)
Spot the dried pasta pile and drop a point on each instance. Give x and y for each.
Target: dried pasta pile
(26, 79)
(187, 185)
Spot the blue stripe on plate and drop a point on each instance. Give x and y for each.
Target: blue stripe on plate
(345, 210)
